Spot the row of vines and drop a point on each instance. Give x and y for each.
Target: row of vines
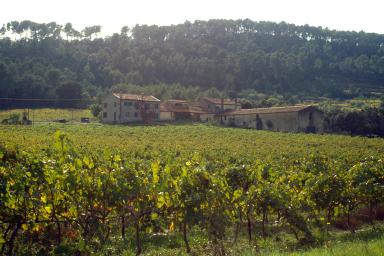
(62, 194)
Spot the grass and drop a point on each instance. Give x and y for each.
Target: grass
(50, 114)
(354, 104)
(368, 242)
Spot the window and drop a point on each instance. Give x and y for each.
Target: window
(114, 116)
(127, 114)
(156, 106)
(136, 115)
(114, 104)
(105, 114)
(225, 117)
(146, 105)
(105, 105)
(125, 103)
(136, 105)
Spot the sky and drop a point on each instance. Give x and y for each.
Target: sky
(366, 15)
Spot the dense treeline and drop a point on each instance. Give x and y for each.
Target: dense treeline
(368, 122)
(55, 61)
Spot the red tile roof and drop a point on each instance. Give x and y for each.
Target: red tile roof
(135, 97)
(269, 110)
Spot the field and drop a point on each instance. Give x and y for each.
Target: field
(194, 137)
(50, 114)
(167, 189)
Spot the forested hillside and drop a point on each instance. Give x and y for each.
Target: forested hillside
(57, 61)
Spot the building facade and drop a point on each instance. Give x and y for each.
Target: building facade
(175, 110)
(181, 110)
(286, 119)
(126, 108)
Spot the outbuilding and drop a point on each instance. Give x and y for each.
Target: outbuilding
(301, 118)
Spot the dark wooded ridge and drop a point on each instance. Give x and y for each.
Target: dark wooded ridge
(55, 61)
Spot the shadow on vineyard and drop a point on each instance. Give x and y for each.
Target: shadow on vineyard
(65, 199)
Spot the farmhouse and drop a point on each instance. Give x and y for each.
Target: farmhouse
(289, 119)
(126, 108)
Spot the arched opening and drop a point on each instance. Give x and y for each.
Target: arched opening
(259, 123)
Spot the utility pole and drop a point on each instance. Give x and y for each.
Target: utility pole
(120, 95)
(222, 110)
(142, 106)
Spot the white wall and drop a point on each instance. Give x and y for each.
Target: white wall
(110, 109)
(288, 121)
(127, 111)
(166, 116)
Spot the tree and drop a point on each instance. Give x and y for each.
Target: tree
(70, 93)
(69, 90)
(30, 86)
(53, 77)
(95, 109)
(89, 31)
(3, 29)
(124, 31)
(68, 30)
(24, 27)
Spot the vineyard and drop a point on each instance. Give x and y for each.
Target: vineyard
(86, 188)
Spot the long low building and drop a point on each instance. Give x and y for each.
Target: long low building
(288, 119)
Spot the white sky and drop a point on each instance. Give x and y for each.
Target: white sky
(366, 15)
